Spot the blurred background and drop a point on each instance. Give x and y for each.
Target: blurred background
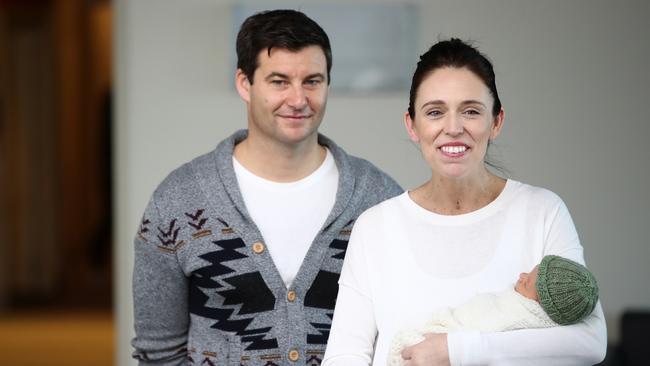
(100, 99)
(55, 182)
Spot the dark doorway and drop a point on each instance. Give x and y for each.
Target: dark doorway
(55, 155)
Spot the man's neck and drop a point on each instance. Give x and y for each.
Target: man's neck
(280, 162)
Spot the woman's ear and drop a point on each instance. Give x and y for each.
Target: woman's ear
(243, 85)
(410, 127)
(498, 124)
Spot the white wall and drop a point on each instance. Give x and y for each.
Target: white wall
(573, 79)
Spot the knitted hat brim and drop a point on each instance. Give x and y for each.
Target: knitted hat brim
(545, 297)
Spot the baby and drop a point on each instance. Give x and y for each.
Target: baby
(558, 291)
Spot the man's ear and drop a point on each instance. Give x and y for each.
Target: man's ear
(243, 85)
(410, 127)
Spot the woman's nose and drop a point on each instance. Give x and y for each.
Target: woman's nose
(453, 125)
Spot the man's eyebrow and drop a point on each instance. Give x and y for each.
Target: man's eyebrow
(276, 74)
(316, 75)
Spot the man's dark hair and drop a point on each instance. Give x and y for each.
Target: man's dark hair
(288, 29)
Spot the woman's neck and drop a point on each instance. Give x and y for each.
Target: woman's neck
(458, 196)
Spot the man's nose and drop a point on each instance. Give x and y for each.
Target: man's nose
(297, 98)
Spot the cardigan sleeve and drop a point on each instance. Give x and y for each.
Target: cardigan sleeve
(584, 343)
(160, 291)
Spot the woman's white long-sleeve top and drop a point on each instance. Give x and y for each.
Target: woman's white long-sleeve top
(403, 261)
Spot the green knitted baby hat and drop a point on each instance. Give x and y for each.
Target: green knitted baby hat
(567, 290)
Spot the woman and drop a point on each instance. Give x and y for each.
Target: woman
(465, 231)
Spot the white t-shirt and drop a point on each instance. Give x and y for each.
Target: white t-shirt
(289, 215)
(404, 261)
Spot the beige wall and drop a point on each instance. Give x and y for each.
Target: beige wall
(573, 79)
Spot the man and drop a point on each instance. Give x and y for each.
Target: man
(239, 251)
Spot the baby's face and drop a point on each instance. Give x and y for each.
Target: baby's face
(526, 284)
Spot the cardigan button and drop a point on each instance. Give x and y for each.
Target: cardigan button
(291, 296)
(258, 247)
(294, 355)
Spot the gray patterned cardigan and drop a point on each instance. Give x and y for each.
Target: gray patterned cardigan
(205, 289)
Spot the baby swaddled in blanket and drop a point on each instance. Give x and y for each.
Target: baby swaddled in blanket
(556, 292)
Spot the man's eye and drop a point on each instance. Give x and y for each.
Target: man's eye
(313, 82)
(278, 82)
(472, 112)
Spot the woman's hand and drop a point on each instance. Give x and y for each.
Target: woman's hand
(432, 351)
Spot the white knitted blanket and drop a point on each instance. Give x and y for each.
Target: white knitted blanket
(507, 310)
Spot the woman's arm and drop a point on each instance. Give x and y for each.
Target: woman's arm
(584, 343)
(353, 333)
(352, 337)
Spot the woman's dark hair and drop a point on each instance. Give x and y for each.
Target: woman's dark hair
(457, 54)
(288, 29)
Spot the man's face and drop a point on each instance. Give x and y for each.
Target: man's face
(286, 101)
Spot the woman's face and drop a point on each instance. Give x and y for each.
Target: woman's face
(453, 122)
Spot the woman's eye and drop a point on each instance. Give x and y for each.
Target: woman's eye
(472, 112)
(434, 113)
